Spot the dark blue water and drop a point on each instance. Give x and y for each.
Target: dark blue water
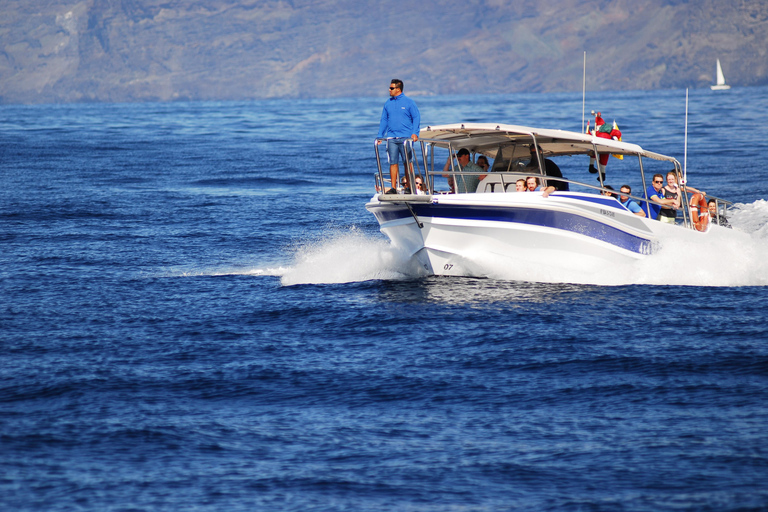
(198, 313)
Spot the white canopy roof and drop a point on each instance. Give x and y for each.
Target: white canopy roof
(487, 138)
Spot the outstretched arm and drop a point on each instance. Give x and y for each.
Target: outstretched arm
(692, 190)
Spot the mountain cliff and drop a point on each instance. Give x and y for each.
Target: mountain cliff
(160, 50)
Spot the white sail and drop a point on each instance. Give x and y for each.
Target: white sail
(720, 79)
(720, 76)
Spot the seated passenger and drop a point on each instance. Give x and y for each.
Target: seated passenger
(463, 183)
(550, 169)
(628, 203)
(520, 185)
(421, 188)
(656, 197)
(531, 183)
(671, 191)
(482, 162)
(718, 219)
(404, 185)
(608, 192)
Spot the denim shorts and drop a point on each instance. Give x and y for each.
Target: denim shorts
(396, 150)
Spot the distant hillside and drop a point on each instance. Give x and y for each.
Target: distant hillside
(137, 50)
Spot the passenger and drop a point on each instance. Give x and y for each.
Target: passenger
(421, 188)
(550, 169)
(482, 162)
(520, 185)
(608, 192)
(531, 183)
(451, 184)
(404, 185)
(656, 197)
(672, 191)
(400, 120)
(463, 183)
(718, 219)
(628, 203)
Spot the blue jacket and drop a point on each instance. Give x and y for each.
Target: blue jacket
(400, 118)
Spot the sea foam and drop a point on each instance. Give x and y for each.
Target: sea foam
(722, 257)
(349, 256)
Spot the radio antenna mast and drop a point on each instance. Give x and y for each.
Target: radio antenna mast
(583, 91)
(685, 147)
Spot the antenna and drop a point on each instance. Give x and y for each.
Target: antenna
(583, 91)
(685, 147)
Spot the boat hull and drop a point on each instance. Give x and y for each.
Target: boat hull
(468, 234)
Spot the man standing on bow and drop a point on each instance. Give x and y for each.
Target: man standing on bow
(400, 120)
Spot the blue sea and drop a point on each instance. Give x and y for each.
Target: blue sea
(198, 313)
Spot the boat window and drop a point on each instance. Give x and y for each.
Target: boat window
(439, 157)
(504, 157)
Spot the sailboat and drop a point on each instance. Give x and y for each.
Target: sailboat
(721, 85)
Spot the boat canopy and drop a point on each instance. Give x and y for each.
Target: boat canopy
(514, 141)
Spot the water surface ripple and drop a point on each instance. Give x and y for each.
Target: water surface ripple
(198, 314)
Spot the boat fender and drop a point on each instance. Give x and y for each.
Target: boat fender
(699, 212)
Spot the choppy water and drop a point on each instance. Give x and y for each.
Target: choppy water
(198, 313)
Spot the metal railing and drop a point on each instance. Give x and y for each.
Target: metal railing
(411, 167)
(420, 163)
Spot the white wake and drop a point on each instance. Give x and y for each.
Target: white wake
(349, 256)
(724, 257)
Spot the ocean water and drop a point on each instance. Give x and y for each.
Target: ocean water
(198, 313)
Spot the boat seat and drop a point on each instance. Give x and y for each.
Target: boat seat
(492, 183)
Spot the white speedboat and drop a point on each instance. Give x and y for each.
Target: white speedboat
(460, 233)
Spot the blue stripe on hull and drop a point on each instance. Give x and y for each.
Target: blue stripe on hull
(529, 216)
